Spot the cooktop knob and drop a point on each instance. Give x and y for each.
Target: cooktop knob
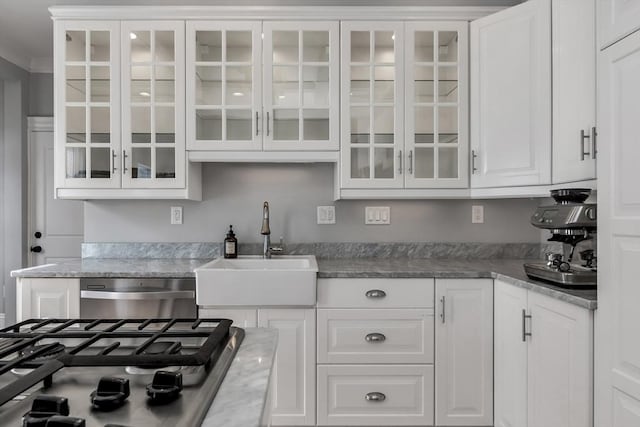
(43, 407)
(111, 393)
(166, 386)
(60, 421)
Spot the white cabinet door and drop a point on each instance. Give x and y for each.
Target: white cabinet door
(560, 364)
(574, 90)
(47, 298)
(616, 19)
(511, 97)
(301, 85)
(510, 356)
(87, 104)
(223, 85)
(372, 104)
(618, 325)
(464, 352)
(294, 372)
(243, 318)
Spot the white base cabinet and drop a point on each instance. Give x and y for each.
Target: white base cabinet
(464, 352)
(543, 360)
(294, 376)
(47, 298)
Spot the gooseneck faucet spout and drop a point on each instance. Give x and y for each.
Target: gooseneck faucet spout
(266, 231)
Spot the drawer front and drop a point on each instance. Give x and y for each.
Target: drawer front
(375, 395)
(375, 293)
(375, 336)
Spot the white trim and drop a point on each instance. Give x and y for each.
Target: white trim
(40, 124)
(126, 193)
(410, 13)
(264, 156)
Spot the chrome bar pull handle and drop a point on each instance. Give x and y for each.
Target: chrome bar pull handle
(113, 162)
(442, 313)
(399, 161)
(267, 123)
(583, 136)
(375, 293)
(375, 396)
(375, 337)
(594, 149)
(124, 161)
(411, 161)
(473, 161)
(256, 123)
(525, 316)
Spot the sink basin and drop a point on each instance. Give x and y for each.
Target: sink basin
(255, 281)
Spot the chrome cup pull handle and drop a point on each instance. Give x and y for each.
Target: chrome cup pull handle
(375, 337)
(375, 293)
(375, 396)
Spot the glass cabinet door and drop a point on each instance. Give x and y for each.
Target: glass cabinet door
(87, 104)
(153, 105)
(223, 85)
(372, 105)
(301, 92)
(436, 105)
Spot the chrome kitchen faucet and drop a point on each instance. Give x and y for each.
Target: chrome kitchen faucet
(267, 249)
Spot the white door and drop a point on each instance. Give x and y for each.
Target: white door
(618, 321)
(510, 356)
(574, 90)
(56, 227)
(464, 352)
(511, 97)
(294, 375)
(560, 364)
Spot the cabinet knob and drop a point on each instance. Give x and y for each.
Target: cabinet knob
(375, 337)
(375, 396)
(36, 249)
(375, 293)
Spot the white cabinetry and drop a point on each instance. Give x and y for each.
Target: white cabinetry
(294, 377)
(375, 352)
(617, 19)
(47, 298)
(119, 101)
(543, 359)
(574, 90)
(464, 352)
(511, 97)
(404, 105)
(618, 328)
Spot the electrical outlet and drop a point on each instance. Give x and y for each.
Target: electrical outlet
(477, 214)
(176, 215)
(326, 215)
(377, 215)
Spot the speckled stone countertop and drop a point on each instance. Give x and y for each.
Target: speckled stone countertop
(242, 398)
(508, 270)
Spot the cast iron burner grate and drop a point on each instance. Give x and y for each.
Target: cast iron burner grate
(44, 346)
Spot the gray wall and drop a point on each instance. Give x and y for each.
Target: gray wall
(41, 94)
(233, 194)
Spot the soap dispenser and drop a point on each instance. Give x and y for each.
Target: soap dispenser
(231, 244)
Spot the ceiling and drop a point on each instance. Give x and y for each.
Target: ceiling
(26, 27)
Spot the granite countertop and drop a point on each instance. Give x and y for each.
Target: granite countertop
(242, 398)
(508, 270)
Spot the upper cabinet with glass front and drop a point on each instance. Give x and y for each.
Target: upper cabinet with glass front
(404, 105)
(262, 86)
(87, 101)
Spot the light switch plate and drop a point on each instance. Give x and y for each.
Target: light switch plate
(326, 215)
(377, 215)
(477, 214)
(176, 215)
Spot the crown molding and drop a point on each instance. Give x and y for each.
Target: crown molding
(369, 13)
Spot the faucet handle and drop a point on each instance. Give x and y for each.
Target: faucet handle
(278, 249)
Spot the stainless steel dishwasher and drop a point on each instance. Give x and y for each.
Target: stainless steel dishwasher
(130, 298)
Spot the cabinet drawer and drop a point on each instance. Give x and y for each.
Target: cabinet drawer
(375, 336)
(375, 293)
(375, 395)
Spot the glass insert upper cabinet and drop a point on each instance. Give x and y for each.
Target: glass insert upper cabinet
(224, 85)
(87, 104)
(372, 104)
(153, 144)
(436, 110)
(301, 86)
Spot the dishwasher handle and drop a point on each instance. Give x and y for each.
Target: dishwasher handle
(138, 296)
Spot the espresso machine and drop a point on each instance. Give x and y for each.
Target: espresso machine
(570, 221)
